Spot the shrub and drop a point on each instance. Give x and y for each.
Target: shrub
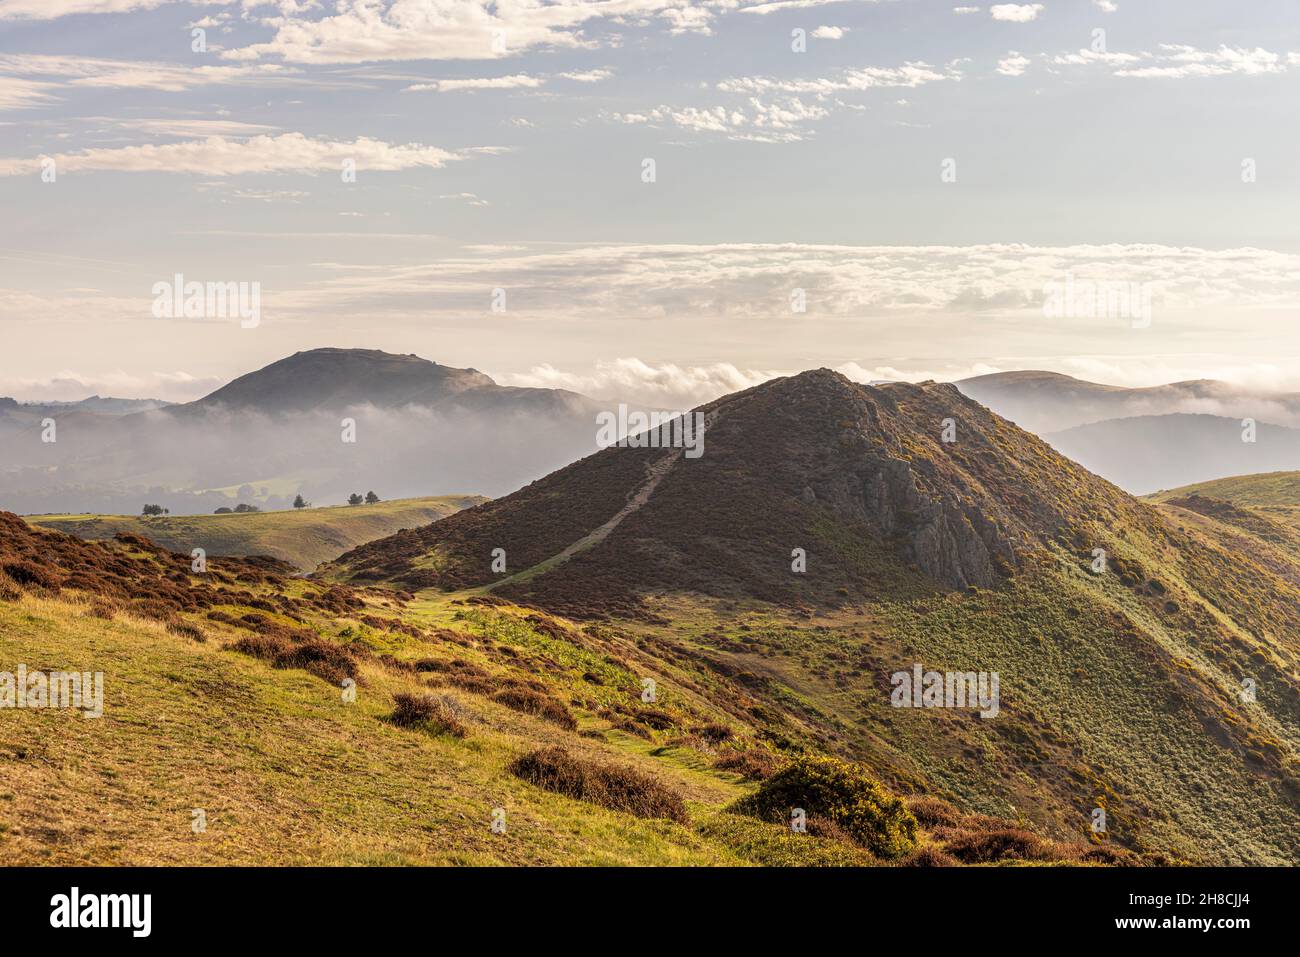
(321, 658)
(984, 847)
(932, 812)
(842, 792)
(929, 856)
(9, 590)
(29, 573)
(714, 733)
(752, 765)
(184, 629)
(438, 715)
(527, 701)
(617, 788)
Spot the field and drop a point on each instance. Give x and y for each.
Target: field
(302, 537)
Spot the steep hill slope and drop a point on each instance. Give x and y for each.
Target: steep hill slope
(302, 537)
(859, 477)
(1126, 635)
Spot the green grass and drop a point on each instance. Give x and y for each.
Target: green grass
(1265, 488)
(303, 537)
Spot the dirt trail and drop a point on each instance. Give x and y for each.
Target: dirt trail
(655, 473)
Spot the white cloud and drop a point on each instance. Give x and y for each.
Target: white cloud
(587, 76)
(517, 81)
(360, 31)
(1176, 61)
(777, 5)
(630, 379)
(20, 94)
(1013, 64)
(76, 71)
(1180, 62)
(71, 386)
(1016, 12)
(773, 121)
(830, 33)
(964, 10)
(909, 75)
(186, 127)
(53, 9)
(218, 156)
(468, 198)
(1106, 6)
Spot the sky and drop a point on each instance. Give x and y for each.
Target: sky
(662, 200)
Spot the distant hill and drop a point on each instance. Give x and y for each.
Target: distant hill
(1147, 453)
(1051, 402)
(339, 379)
(416, 428)
(302, 537)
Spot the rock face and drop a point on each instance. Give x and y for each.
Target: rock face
(880, 487)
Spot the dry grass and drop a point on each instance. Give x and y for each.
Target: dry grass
(617, 788)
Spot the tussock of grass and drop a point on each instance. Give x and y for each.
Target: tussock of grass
(527, 701)
(437, 715)
(617, 788)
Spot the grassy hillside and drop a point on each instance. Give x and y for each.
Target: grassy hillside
(302, 537)
(223, 693)
(1261, 489)
(1122, 686)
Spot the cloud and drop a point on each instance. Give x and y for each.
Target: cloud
(630, 379)
(830, 33)
(1013, 64)
(53, 9)
(186, 127)
(219, 156)
(1181, 62)
(71, 386)
(20, 94)
(361, 31)
(964, 10)
(1106, 6)
(996, 282)
(468, 198)
(1016, 12)
(775, 121)
(516, 81)
(1177, 61)
(94, 72)
(909, 75)
(776, 6)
